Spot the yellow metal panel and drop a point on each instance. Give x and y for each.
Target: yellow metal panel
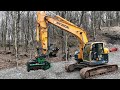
(42, 31)
(106, 50)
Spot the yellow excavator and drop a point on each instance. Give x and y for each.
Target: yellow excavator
(91, 58)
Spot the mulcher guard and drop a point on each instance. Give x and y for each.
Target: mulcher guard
(38, 63)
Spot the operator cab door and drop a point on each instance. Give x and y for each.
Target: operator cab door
(94, 54)
(97, 51)
(93, 51)
(97, 54)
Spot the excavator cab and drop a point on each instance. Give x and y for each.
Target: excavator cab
(95, 54)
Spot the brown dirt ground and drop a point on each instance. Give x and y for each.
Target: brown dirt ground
(7, 59)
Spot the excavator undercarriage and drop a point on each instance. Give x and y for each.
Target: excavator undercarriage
(87, 71)
(95, 61)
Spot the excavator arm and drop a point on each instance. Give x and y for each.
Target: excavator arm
(42, 32)
(62, 23)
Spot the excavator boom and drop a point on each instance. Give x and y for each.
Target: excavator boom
(42, 32)
(67, 26)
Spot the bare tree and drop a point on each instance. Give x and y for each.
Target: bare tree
(2, 32)
(18, 27)
(117, 17)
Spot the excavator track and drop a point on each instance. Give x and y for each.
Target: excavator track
(97, 70)
(73, 66)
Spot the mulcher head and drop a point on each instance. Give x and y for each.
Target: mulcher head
(38, 63)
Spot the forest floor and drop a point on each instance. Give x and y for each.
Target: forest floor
(111, 36)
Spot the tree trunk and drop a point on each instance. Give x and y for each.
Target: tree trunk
(27, 32)
(117, 18)
(81, 19)
(2, 32)
(5, 33)
(62, 38)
